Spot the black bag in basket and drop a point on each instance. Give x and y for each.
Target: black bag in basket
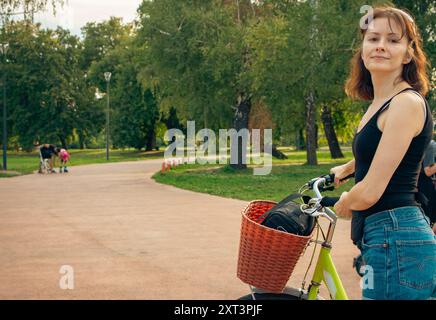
(287, 216)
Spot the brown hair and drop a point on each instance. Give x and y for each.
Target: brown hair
(359, 83)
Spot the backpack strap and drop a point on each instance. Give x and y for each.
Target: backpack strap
(295, 196)
(287, 199)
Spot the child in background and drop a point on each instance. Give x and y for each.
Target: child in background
(64, 156)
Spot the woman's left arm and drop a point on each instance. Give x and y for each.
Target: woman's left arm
(403, 122)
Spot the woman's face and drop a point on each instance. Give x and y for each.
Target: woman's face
(383, 49)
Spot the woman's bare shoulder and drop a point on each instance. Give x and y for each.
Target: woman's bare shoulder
(410, 100)
(409, 107)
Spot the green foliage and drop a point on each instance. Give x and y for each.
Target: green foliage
(185, 60)
(134, 111)
(10, 8)
(424, 12)
(302, 46)
(46, 89)
(346, 118)
(194, 53)
(100, 38)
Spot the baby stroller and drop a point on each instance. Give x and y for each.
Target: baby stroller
(44, 165)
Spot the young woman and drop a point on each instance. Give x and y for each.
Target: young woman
(388, 224)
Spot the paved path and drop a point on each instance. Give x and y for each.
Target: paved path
(126, 237)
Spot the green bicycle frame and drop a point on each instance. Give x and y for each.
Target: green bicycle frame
(326, 271)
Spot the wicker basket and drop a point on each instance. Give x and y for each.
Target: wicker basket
(267, 256)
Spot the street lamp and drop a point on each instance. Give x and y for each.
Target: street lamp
(4, 50)
(107, 76)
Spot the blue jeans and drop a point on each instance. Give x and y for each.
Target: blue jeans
(399, 253)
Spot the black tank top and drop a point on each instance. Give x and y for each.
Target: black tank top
(402, 188)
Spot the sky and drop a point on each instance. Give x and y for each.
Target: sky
(77, 13)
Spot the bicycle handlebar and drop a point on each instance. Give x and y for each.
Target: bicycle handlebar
(328, 201)
(324, 183)
(327, 183)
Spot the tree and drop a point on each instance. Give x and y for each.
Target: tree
(135, 110)
(101, 38)
(424, 12)
(301, 54)
(28, 8)
(197, 56)
(47, 95)
(327, 120)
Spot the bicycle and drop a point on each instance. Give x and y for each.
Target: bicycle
(325, 270)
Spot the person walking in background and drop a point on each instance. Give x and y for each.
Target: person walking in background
(426, 182)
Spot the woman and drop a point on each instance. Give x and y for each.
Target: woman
(388, 224)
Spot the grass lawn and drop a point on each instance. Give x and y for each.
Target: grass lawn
(27, 162)
(286, 177)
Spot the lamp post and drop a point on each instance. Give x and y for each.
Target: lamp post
(4, 50)
(107, 76)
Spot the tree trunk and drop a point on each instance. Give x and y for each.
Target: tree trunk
(63, 141)
(81, 141)
(276, 153)
(205, 123)
(326, 117)
(151, 140)
(240, 121)
(300, 144)
(311, 129)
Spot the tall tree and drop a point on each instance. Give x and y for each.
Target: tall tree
(135, 110)
(301, 55)
(100, 38)
(27, 8)
(46, 94)
(197, 55)
(424, 12)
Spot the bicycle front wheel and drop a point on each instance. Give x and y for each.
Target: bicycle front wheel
(270, 296)
(287, 294)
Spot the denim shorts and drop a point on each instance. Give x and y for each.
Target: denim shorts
(399, 255)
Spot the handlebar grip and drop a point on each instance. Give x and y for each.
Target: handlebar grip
(329, 201)
(332, 177)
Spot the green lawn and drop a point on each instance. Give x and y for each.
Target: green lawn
(27, 162)
(286, 177)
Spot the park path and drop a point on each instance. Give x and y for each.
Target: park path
(127, 237)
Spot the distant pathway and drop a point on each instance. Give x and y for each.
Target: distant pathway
(126, 237)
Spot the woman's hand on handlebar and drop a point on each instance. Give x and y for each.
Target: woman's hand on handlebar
(340, 173)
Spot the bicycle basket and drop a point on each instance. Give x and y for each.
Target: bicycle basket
(267, 256)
